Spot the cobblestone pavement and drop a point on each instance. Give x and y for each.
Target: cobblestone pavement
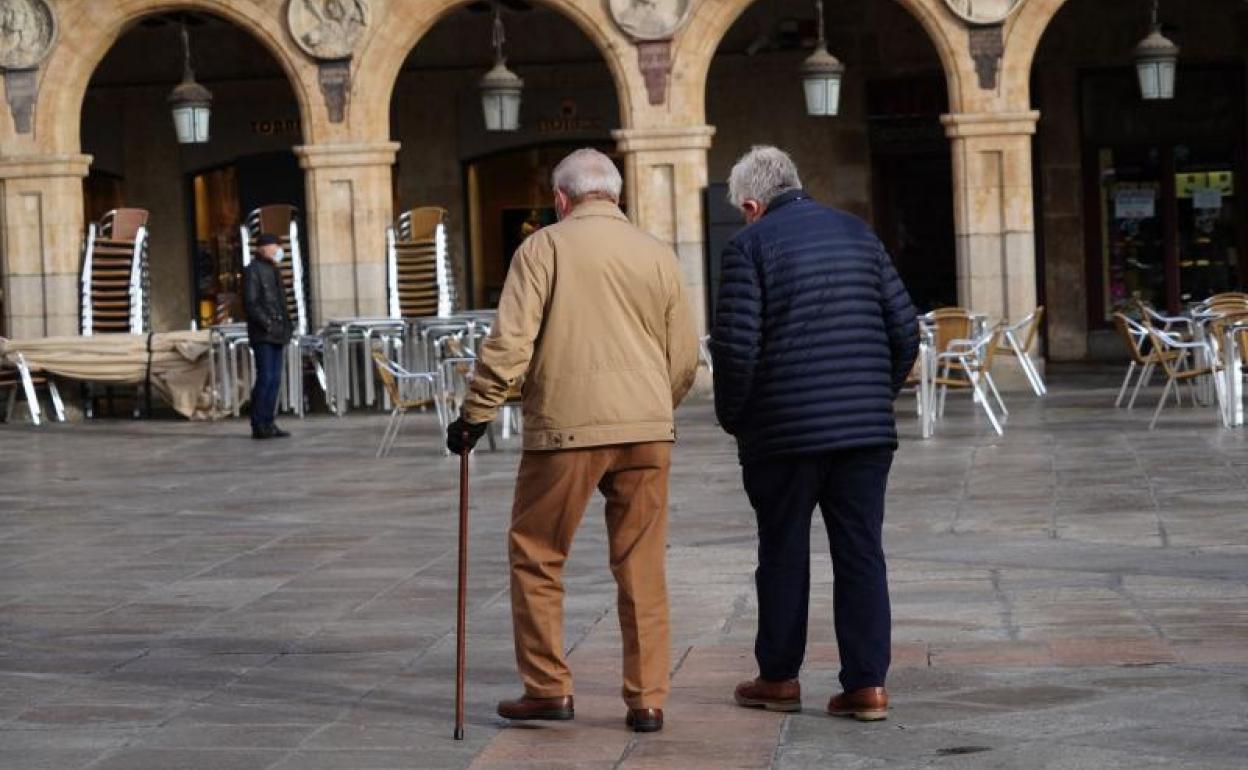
(175, 595)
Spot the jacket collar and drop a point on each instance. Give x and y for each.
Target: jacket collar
(597, 208)
(784, 199)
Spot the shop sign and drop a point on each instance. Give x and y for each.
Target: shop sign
(1207, 198)
(274, 127)
(1186, 185)
(569, 121)
(1135, 203)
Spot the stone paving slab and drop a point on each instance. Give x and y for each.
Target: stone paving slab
(174, 595)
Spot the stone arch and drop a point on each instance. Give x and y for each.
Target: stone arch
(84, 42)
(712, 19)
(1022, 40)
(378, 64)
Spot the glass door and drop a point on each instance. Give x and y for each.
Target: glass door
(1133, 233)
(1208, 246)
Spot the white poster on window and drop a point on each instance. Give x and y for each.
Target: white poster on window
(1207, 198)
(1135, 203)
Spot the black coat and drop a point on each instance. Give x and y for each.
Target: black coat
(264, 299)
(814, 334)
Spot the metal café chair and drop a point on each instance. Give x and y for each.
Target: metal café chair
(1144, 356)
(1018, 338)
(457, 375)
(1227, 337)
(968, 364)
(921, 378)
(1178, 369)
(232, 367)
(397, 381)
(16, 377)
(704, 354)
(1235, 368)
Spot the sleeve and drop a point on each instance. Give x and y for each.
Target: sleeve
(900, 319)
(737, 338)
(507, 351)
(253, 299)
(682, 342)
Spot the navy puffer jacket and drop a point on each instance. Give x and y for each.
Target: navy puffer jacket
(814, 334)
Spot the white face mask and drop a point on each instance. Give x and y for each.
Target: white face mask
(279, 255)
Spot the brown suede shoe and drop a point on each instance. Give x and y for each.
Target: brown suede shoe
(527, 707)
(869, 704)
(773, 696)
(645, 720)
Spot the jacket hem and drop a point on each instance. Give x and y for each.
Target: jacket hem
(749, 456)
(597, 435)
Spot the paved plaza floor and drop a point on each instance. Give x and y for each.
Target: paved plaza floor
(175, 596)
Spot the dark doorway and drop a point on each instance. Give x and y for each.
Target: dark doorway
(221, 198)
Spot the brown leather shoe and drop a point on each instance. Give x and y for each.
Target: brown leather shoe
(645, 720)
(869, 704)
(526, 707)
(773, 696)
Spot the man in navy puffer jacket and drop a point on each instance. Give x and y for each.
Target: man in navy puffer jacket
(814, 337)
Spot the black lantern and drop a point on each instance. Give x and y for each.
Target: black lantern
(821, 76)
(1156, 62)
(190, 102)
(500, 88)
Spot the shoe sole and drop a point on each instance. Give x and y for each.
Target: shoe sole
(861, 716)
(545, 716)
(645, 727)
(784, 706)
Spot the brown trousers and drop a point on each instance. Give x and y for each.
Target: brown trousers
(552, 491)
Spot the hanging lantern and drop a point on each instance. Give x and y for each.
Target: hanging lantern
(821, 76)
(500, 88)
(1156, 63)
(190, 102)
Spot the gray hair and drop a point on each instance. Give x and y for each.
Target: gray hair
(585, 173)
(762, 174)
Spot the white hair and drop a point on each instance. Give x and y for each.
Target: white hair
(762, 174)
(585, 173)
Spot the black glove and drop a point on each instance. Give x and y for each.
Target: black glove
(462, 436)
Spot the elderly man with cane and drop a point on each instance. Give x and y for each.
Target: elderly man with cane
(814, 336)
(593, 320)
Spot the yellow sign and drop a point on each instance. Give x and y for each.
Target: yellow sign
(1186, 185)
(1223, 182)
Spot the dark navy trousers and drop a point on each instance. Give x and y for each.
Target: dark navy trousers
(848, 486)
(268, 383)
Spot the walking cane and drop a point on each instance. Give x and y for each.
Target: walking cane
(462, 599)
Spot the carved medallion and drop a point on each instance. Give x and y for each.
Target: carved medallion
(27, 29)
(649, 19)
(984, 11)
(327, 29)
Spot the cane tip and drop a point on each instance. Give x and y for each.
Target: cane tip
(459, 733)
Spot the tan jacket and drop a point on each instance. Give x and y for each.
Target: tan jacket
(593, 320)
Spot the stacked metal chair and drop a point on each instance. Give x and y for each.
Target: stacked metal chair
(280, 219)
(421, 281)
(115, 278)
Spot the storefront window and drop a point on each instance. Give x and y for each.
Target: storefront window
(1134, 255)
(1162, 179)
(1208, 253)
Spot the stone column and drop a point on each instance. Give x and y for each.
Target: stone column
(993, 212)
(349, 202)
(41, 230)
(665, 173)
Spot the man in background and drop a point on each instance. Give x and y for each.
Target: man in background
(268, 330)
